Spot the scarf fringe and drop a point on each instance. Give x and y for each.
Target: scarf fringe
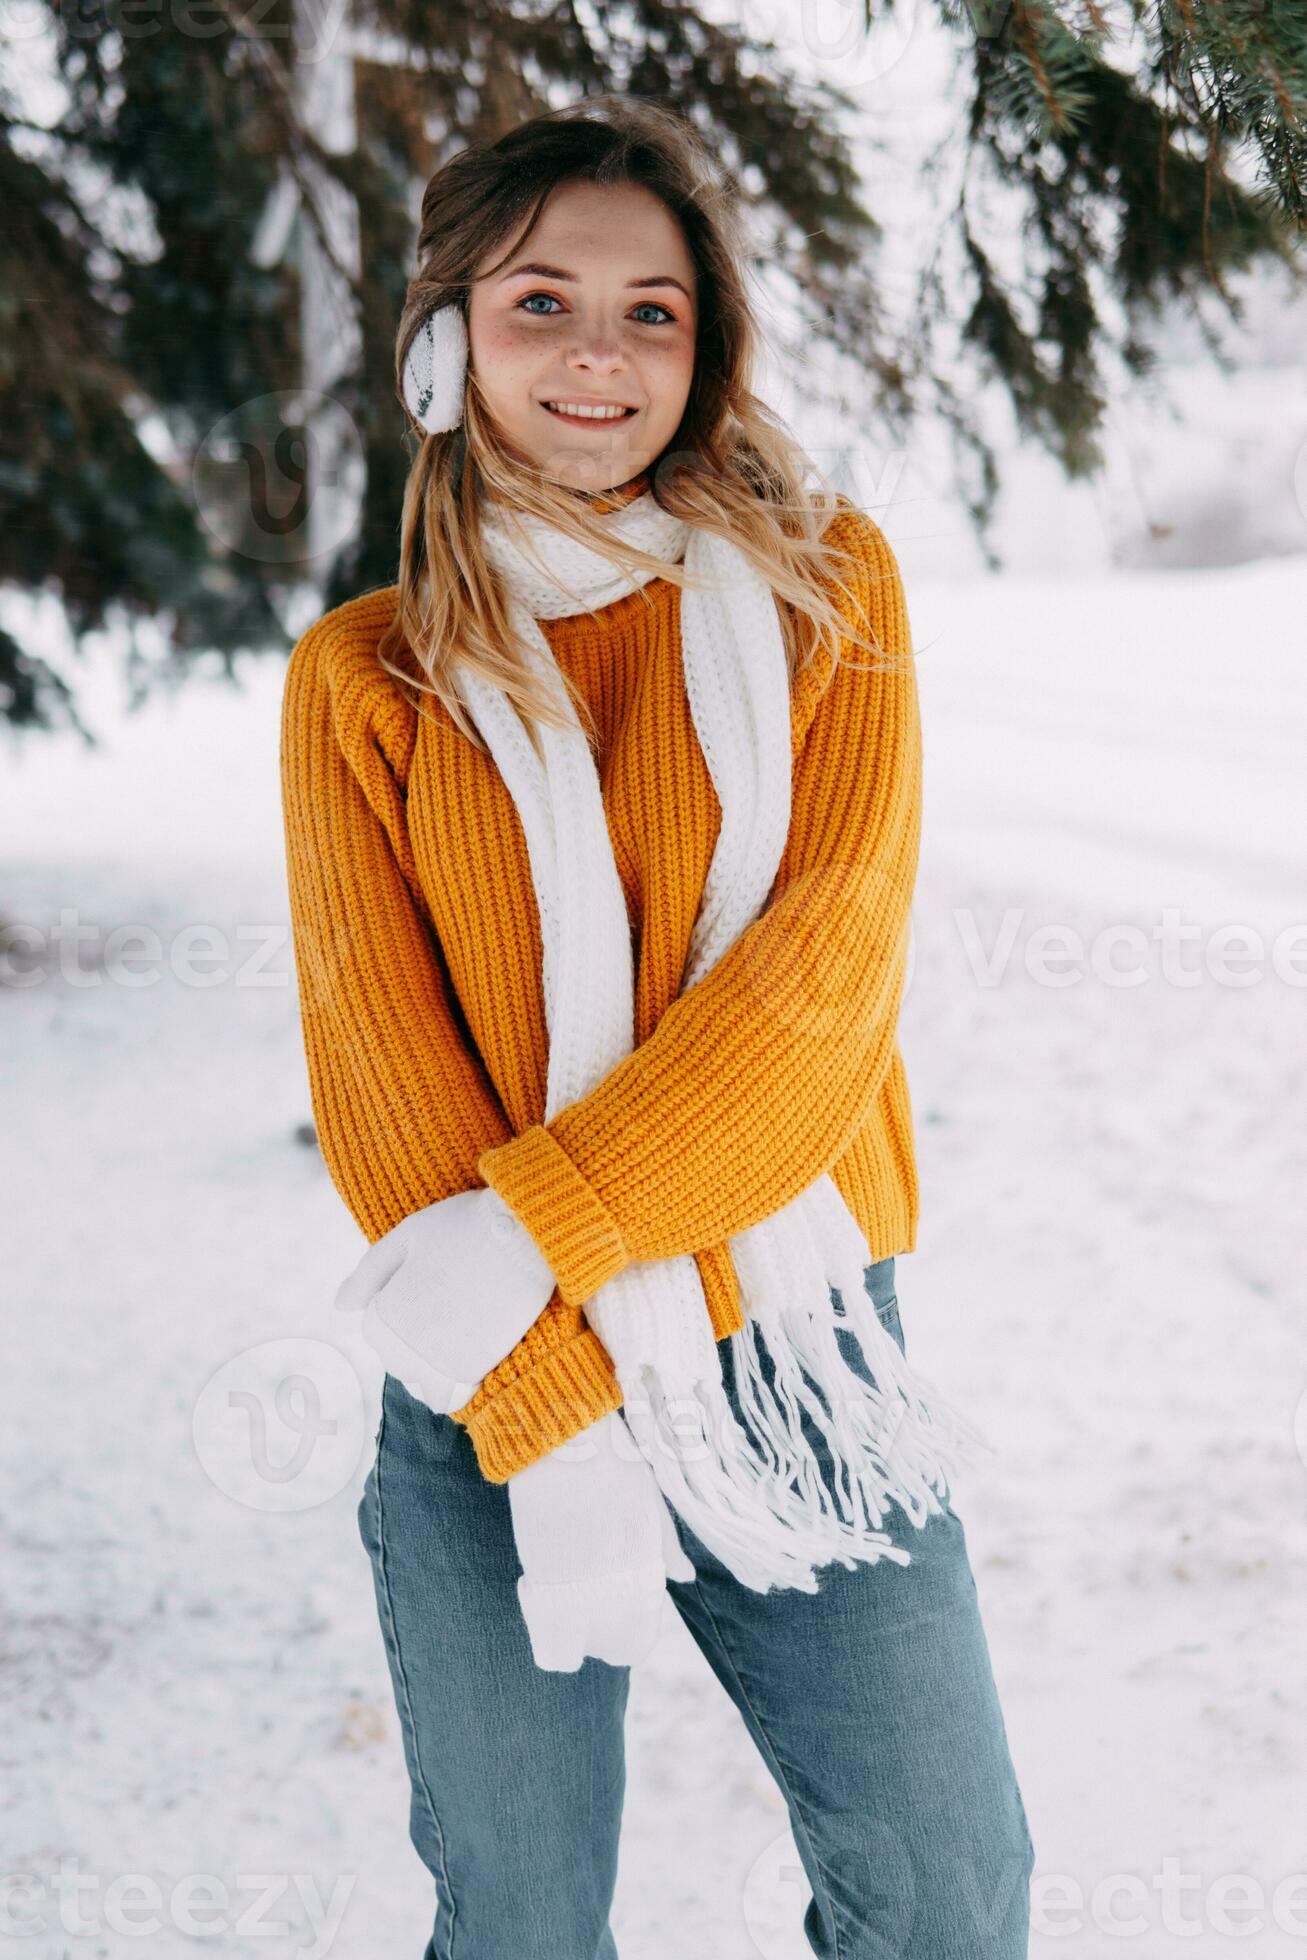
(751, 1486)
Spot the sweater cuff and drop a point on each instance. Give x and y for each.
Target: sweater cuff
(565, 1216)
(567, 1390)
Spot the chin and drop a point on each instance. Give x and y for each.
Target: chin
(575, 470)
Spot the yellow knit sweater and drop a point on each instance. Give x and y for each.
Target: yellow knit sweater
(418, 958)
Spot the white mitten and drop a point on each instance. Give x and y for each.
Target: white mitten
(447, 1293)
(597, 1545)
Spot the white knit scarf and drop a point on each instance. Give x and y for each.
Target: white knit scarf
(750, 1488)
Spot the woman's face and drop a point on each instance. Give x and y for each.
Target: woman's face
(596, 309)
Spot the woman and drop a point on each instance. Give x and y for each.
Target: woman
(601, 830)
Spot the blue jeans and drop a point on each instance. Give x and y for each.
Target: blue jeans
(871, 1702)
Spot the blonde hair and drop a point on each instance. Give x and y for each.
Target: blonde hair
(731, 467)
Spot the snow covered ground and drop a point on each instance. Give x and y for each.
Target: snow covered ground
(1108, 1084)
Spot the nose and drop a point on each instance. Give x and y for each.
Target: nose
(598, 356)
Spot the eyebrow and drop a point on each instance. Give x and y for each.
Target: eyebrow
(570, 278)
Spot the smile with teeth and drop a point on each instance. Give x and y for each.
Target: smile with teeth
(579, 412)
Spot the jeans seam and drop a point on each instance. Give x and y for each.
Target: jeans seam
(407, 1710)
(781, 1769)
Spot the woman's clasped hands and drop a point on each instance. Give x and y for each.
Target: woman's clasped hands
(445, 1295)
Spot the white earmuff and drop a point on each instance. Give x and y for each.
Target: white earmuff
(435, 370)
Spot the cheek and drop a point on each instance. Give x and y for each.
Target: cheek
(669, 370)
(498, 344)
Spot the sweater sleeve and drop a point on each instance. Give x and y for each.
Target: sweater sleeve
(756, 1079)
(402, 1103)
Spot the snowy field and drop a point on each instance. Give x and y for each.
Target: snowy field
(1108, 1085)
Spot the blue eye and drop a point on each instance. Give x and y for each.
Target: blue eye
(524, 305)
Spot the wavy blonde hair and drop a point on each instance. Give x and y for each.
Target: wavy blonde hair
(731, 466)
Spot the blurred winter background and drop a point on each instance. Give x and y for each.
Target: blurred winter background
(1104, 1031)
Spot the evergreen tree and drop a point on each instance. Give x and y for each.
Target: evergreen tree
(156, 394)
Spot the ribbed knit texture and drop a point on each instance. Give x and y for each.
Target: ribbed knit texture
(418, 956)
